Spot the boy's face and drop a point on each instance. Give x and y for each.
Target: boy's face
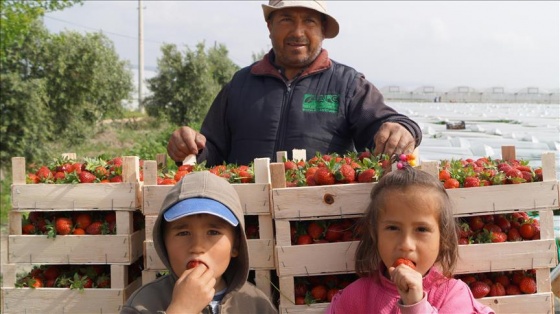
(408, 227)
(204, 238)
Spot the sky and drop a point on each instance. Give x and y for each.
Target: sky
(445, 44)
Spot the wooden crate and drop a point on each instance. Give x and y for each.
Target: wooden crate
(124, 247)
(65, 300)
(351, 200)
(91, 196)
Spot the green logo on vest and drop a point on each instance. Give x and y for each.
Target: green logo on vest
(320, 103)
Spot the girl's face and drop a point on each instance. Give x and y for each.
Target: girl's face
(204, 238)
(408, 227)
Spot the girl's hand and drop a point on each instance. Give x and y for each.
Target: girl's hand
(193, 291)
(408, 282)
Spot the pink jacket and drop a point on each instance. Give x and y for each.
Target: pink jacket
(379, 295)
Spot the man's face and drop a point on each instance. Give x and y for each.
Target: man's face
(296, 35)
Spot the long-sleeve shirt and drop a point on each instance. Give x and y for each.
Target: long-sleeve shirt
(379, 295)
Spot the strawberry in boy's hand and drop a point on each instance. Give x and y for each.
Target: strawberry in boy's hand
(405, 261)
(193, 264)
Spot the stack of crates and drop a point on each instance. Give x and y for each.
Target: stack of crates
(117, 251)
(350, 200)
(255, 200)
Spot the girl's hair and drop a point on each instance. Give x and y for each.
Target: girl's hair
(367, 255)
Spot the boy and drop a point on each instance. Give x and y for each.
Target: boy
(199, 235)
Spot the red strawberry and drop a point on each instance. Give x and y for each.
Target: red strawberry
(496, 290)
(513, 290)
(83, 220)
(63, 226)
(51, 273)
(28, 229)
(498, 237)
(346, 174)
(290, 165)
(32, 178)
(319, 293)
(502, 222)
(111, 217)
(314, 230)
(35, 282)
(476, 223)
(404, 261)
(324, 176)
(87, 177)
(471, 182)
(78, 231)
(528, 285)
(334, 232)
(95, 228)
(116, 178)
(503, 279)
(513, 235)
(451, 183)
(304, 239)
(300, 289)
(527, 231)
(444, 175)
(193, 264)
(367, 175)
(44, 174)
(479, 289)
(103, 281)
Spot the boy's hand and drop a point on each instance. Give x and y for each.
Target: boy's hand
(193, 291)
(408, 282)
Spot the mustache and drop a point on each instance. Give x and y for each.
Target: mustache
(297, 41)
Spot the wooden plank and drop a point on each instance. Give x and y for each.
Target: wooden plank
(526, 303)
(254, 197)
(106, 196)
(64, 300)
(149, 223)
(316, 259)
(491, 257)
(263, 282)
(75, 249)
(508, 153)
(278, 175)
(548, 161)
(299, 154)
(319, 201)
(281, 156)
(18, 170)
(150, 172)
(261, 170)
(502, 198)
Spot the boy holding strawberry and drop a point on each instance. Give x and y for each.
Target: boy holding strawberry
(199, 235)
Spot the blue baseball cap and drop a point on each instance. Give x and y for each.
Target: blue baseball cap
(200, 205)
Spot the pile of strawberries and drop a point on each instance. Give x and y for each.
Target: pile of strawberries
(231, 172)
(516, 226)
(77, 277)
(501, 283)
(65, 170)
(324, 231)
(320, 289)
(75, 223)
(485, 171)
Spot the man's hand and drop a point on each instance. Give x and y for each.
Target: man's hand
(393, 138)
(183, 142)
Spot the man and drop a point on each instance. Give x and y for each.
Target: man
(296, 98)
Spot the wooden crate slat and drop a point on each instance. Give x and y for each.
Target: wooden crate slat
(500, 198)
(254, 197)
(63, 300)
(76, 196)
(525, 303)
(314, 201)
(315, 259)
(75, 249)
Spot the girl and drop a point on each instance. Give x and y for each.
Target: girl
(409, 219)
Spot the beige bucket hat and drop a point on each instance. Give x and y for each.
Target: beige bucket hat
(331, 29)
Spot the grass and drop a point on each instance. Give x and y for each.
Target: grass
(136, 135)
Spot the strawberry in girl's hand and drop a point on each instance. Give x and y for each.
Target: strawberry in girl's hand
(193, 264)
(405, 261)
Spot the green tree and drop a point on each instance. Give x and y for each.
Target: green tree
(17, 17)
(57, 88)
(186, 84)
(87, 82)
